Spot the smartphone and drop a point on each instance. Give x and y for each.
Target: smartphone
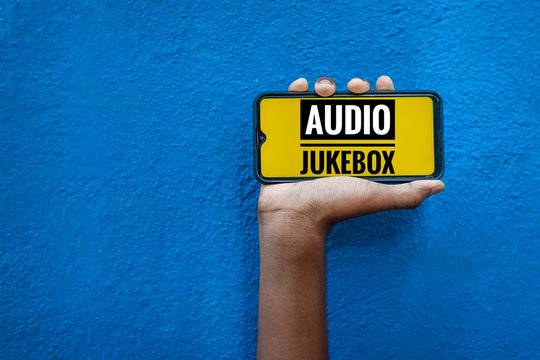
(387, 137)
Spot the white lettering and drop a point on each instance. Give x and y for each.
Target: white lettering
(349, 129)
(367, 120)
(314, 121)
(386, 119)
(328, 120)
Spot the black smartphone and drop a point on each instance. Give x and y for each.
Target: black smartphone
(385, 137)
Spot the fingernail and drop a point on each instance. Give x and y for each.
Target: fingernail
(325, 80)
(437, 190)
(358, 81)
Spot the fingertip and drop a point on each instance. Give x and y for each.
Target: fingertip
(439, 186)
(430, 187)
(325, 90)
(384, 83)
(358, 86)
(325, 86)
(299, 85)
(411, 195)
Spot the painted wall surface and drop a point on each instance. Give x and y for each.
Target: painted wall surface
(128, 205)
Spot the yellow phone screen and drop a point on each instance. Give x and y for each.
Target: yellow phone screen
(387, 137)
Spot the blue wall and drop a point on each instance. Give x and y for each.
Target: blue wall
(127, 219)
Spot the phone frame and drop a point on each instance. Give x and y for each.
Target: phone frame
(437, 136)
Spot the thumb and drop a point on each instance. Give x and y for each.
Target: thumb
(361, 197)
(411, 195)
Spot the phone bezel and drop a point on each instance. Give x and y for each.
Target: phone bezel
(437, 128)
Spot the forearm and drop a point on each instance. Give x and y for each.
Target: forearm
(292, 289)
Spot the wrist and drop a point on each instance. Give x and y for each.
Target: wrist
(291, 236)
(291, 223)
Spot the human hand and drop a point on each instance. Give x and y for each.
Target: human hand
(319, 204)
(294, 219)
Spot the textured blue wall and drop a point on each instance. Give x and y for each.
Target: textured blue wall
(127, 218)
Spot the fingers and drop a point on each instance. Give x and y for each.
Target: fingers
(325, 86)
(299, 85)
(358, 86)
(384, 83)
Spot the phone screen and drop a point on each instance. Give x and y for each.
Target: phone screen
(387, 137)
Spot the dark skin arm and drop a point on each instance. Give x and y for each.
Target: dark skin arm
(294, 220)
